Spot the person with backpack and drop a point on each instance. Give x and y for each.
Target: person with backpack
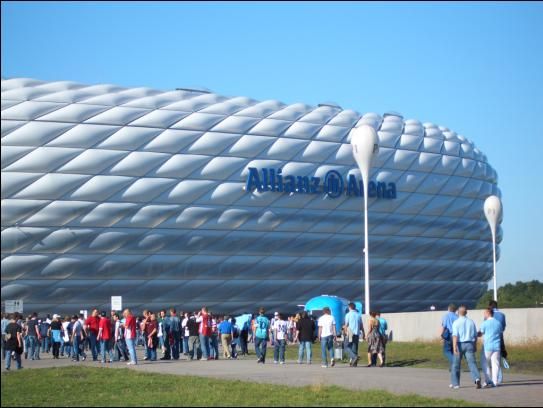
(262, 333)
(280, 329)
(44, 334)
(205, 331)
(446, 333)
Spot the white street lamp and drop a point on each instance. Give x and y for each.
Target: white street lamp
(493, 213)
(365, 146)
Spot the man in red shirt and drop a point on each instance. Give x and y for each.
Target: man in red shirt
(104, 337)
(130, 335)
(92, 325)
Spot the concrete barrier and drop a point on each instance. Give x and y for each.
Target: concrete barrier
(523, 325)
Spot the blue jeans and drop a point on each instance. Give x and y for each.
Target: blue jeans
(120, 350)
(34, 347)
(327, 344)
(448, 351)
(352, 348)
(8, 359)
(131, 345)
(260, 348)
(466, 349)
(105, 346)
(66, 348)
(78, 348)
(308, 351)
(45, 344)
(204, 345)
(214, 345)
(93, 346)
(279, 351)
(175, 346)
(185, 344)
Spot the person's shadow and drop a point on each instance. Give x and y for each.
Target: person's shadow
(406, 363)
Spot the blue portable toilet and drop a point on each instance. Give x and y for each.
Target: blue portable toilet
(336, 304)
(338, 307)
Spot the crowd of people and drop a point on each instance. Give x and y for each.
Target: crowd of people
(459, 335)
(113, 337)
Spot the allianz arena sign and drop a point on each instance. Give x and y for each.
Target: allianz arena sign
(333, 184)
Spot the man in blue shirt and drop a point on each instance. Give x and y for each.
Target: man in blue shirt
(464, 334)
(492, 331)
(226, 332)
(500, 317)
(353, 324)
(383, 327)
(261, 336)
(446, 333)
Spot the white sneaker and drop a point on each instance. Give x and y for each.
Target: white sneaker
(282, 362)
(324, 366)
(456, 387)
(275, 362)
(450, 385)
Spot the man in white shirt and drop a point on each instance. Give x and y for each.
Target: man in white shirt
(280, 328)
(327, 335)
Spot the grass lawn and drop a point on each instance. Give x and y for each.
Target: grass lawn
(86, 386)
(526, 359)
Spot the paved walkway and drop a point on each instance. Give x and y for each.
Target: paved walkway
(517, 390)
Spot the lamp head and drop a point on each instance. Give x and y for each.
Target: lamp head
(365, 145)
(493, 212)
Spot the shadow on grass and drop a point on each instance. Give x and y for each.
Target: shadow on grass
(407, 363)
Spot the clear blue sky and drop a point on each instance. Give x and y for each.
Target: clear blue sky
(476, 68)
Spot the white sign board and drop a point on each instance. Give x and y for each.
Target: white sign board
(14, 306)
(116, 303)
(84, 313)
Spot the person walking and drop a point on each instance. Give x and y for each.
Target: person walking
(353, 325)
(14, 342)
(327, 336)
(78, 336)
(375, 341)
(33, 337)
(383, 327)
(464, 335)
(67, 327)
(500, 317)
(491, 330)
(130, 335)
(244, 337)
(446, 333)
(226, 333)
(55, 334)
(305, 330)
(214, 339)
(92, 325)
(280, 331)
(262, 333)
(186, 333)
(104, 337)
(119, 342)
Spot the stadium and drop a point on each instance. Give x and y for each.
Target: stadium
(187, 198)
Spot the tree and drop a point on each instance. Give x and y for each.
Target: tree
(521, 294)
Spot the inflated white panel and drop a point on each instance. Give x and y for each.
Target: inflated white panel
(147, 199)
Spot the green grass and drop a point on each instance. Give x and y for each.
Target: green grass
(85, 386)
(527, 359)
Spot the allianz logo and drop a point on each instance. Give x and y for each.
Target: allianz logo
(333, 184)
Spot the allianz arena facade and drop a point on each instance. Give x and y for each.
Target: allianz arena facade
(175, 198)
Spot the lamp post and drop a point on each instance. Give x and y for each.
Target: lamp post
(493, 213)
(365, 146)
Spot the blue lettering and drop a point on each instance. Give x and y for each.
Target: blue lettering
(253, 181)
(290, 184)
(352, 186)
